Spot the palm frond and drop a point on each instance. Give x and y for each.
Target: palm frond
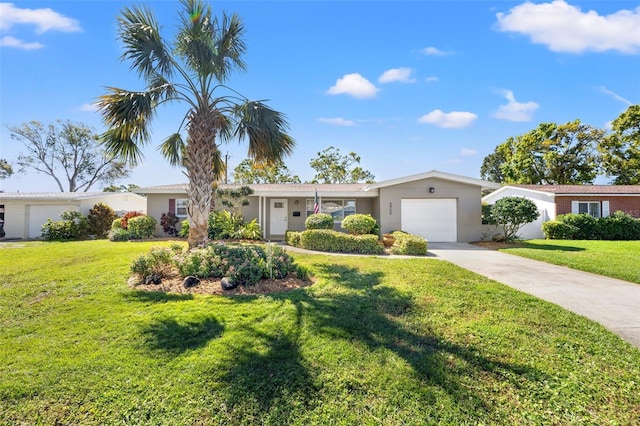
(121, 107)
(173, 149)
(143, 45)
(265, 130)
(118, 142)
(229, 46)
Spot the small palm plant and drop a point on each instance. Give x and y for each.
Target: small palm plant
(191, 71)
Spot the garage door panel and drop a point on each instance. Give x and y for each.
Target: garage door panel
(434, 219)
(38, 216)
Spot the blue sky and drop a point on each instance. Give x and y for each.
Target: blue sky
(409, 86)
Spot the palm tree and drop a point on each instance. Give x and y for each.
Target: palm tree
(192, 72)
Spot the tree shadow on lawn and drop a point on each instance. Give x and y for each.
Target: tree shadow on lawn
(172, 337)
(369, 313)
(156, 296)
(550, 247)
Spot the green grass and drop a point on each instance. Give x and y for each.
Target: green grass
(616, 259)
(373, 341)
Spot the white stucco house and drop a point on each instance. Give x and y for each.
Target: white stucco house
(25, 213)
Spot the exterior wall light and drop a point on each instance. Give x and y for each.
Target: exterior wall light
(432, 190)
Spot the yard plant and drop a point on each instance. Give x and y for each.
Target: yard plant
(373, 341)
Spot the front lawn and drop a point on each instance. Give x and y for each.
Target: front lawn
(617, 259)
(373, 341)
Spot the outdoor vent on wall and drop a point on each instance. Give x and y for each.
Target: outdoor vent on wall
(432, 190)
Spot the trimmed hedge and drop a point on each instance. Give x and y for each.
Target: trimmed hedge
(140, 227)
(618, 226)
(319, 221)
(337, 242)
(292, 238)
(359, 224)
(408, 244)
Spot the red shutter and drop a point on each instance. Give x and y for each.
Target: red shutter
(172, 205)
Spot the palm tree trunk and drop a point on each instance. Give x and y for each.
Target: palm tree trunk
(199, 161)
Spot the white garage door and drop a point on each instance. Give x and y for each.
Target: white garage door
(38, 216)
(434, 219)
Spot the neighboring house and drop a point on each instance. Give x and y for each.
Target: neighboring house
(25, 213)
(554, 200)
(438, 206)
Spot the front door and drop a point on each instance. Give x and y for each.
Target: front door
(278, 216)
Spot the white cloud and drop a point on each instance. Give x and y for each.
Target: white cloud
(565, 28)
(89, 107)
(434, 51)
(449, 120)
(402, 75)
(431, 79)
(337, 121)
(8, 41)
(468, 152)
(43, 19)
(354, 85)
(614, 95)
(515, 111)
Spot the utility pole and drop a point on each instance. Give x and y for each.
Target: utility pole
(226, 168)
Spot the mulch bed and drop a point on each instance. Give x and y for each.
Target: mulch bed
(492, 245)
(212, 286)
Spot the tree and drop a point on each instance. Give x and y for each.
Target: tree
(192, 71)
(5, 169)
(120, 188)
(68, 152)
(620, 150)
(248, 172)
(332, 167)
(512, 213)
(550, 154)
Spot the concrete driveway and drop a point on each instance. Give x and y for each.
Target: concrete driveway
(613, 303)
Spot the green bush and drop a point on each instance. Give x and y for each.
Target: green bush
(617, 226)
(359, 224)
(338, 242)
(250, 231)
(124, 220)
(319, 221)
(223, 225)
(140, 227)
(119, 234)
(100, 219)
(408, 244)
(240, 263)
(184, 229)
(116, 224)
(158, 261)
(556, 230)
(72, 226)
(292, 238)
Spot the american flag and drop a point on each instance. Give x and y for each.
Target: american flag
(316, 205)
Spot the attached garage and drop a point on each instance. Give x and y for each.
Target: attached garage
(435, 219)
(38, 215)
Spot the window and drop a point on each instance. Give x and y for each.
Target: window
(589, 207)
(339, 209)
(181, 208)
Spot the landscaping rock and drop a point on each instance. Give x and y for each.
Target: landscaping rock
(153, 279)
(190, 281)
(226, 285)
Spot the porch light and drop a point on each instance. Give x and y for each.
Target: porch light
(432, 190)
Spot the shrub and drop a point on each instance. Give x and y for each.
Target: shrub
(278, 263)
(338, 242)
(224, 225)
(319, 221)
(140, 227)
(119, 234)
(247, 273)
(168, 222)
(116, 224)
(124, 220)
(292, 238)
(184, 229)
(586, 226)
(620, 226)
(72, 226)
(512, 213)
(158, 261)
(100, 219)
(408, 244)
(196, 262)
(359, 224)
(556, 230)
(250, 231)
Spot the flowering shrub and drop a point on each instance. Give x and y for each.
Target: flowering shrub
(100, 219)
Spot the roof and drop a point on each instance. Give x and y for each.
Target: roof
(277, 189)
(583, 189)
(438, 175)
(60, 196)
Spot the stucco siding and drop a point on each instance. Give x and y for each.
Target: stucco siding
(543, 201)
(469, 208)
